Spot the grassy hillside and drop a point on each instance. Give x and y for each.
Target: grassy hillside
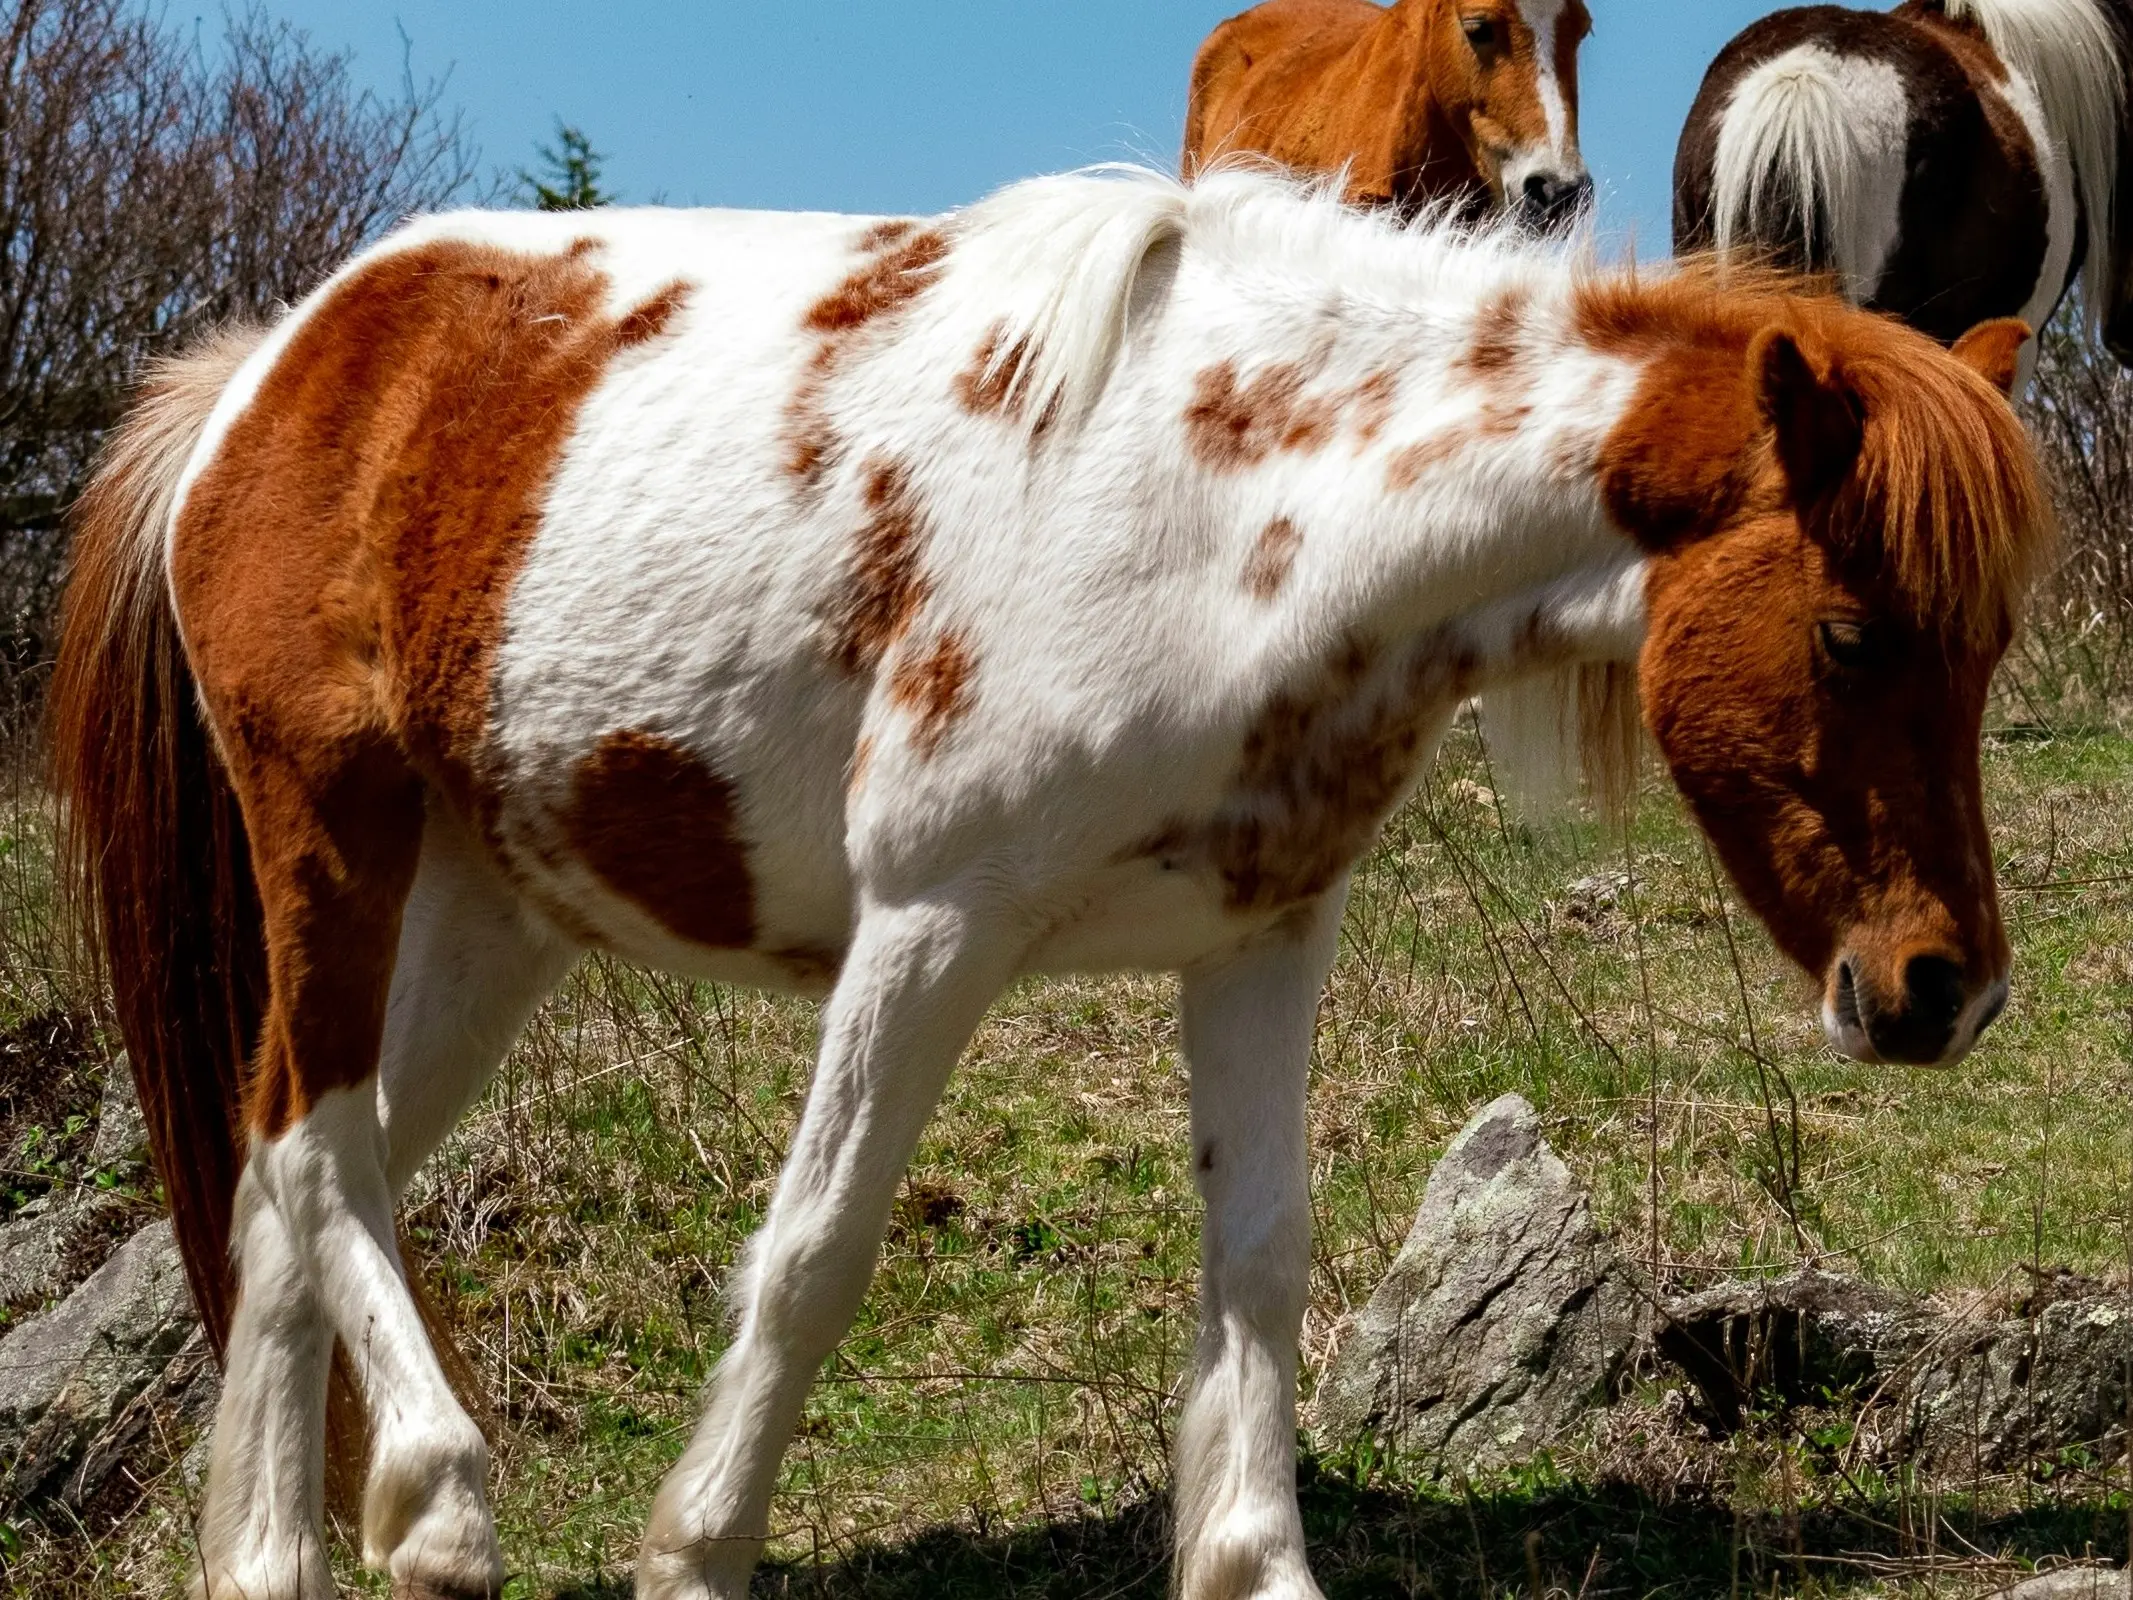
(997, 1422)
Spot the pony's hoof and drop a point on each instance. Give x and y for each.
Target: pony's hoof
(424, 1589)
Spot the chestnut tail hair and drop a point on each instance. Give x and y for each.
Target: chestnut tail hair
(155, 862)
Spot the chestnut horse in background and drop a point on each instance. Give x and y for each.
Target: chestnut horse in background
(1422, 102)
(884, 609)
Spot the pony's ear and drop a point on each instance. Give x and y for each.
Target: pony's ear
(1993, 350)
(1816, 414)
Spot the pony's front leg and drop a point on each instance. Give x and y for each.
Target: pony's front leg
(1247, 1027)
(915, 984)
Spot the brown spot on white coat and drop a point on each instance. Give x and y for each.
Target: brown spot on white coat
(662, 830)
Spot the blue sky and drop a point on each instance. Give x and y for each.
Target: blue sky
(917, 105)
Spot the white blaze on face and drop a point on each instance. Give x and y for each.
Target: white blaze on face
(1559, 158)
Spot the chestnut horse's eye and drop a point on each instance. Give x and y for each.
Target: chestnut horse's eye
(1846, 645)
(1480, 33)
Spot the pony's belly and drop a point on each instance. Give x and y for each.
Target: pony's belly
(1147, 920)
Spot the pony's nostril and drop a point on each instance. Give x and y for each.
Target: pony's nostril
(1847, 997)
(1933, 991)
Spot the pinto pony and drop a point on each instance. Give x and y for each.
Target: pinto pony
(1474, 104)
(885, 609)
(1949, 162)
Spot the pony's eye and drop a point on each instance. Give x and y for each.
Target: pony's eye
(1846, 644)
(1480, 33)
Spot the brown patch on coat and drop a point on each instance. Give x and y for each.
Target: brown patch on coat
(901, 264)
(901, 267)
(884, 585)
(934, 686)
(996, 383)
(894, 230)
(1325, 763)
(662, 830)
(862, 762)
(992, 384)
(1374, 399)
(1231, 425)
(342, 566)
(644, 323)
(1499, 327)
(1412, 463)
(1273, 554)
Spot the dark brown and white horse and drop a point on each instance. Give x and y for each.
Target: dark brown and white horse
(884, 609)
(1948, 162)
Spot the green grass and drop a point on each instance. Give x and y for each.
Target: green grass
(997, 1422)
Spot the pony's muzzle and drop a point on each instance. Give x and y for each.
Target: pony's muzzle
(1930, 1016)
(1546, 201)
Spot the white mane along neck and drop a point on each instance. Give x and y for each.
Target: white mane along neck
(1047, 270)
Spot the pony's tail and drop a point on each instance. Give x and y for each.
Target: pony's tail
(1543, 733)
(154, 857)
(1804, 169)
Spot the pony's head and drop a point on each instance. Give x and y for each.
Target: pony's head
(1842, 518)
(1505, 73)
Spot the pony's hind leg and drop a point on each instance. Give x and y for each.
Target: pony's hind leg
(914, 985)
(470, 969)
(336, 829)
(1247, 1025)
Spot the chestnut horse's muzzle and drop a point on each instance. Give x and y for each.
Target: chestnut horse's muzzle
(1932, 1016)
(1546, 201)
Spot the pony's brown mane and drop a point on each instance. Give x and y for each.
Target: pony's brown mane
(1945, 502)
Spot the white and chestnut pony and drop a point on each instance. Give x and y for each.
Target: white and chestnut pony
(1948, 162)
(887, 609)
(1421, 103)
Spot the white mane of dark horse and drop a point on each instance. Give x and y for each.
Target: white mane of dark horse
(1948, 162)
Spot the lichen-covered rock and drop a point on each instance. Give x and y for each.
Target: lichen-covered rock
(121, 1129)
(2071, 1583)
(1504, 1322)
(1991, 1397)
(1955, 1395)
(68, 1375)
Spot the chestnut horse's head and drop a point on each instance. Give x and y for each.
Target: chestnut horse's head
(1505, 74)
(1843, 517)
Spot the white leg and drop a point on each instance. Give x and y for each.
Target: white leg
(916, 982)
(1247, 1027)
(469, 971)
(262, 1522)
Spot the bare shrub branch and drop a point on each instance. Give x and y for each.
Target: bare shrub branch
(151, 187)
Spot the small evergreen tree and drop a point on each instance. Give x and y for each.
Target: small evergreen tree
(569, 179)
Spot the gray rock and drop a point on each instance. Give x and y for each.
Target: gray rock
(1958, 1396)
(1504, 1322)
(158, 1424)
(2071, 1583)
(121, 1129)
(45, 1253)
(67, 1376)
(1990, 1397)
